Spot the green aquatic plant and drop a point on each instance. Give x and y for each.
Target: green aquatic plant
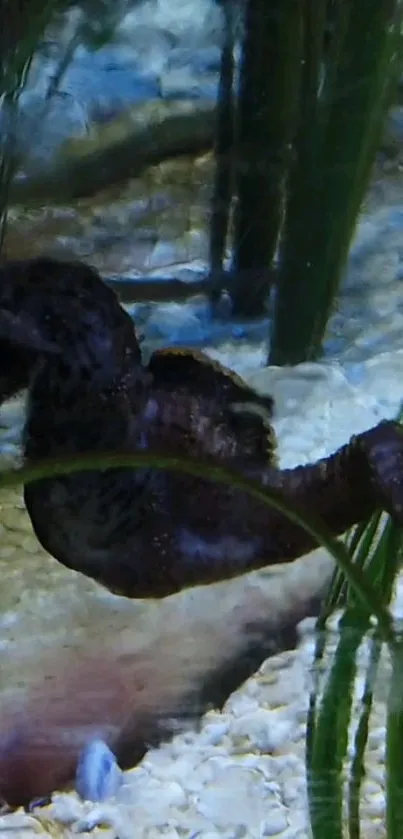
(266, 108)
(345, 93)
(315, 84)
(334, 782)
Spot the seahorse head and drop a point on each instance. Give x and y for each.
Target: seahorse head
(63, 309)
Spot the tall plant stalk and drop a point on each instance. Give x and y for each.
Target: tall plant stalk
(338, 134)
(334, 805)
(224, 146)
(268, 82)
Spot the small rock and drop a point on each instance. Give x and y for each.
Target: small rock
(204, 60)
(375, 806)
(377, 738)
(163, 254)
(175, 323)
(6, 551)
(12, 519)
(265, 730)
(102, 816)
(181, 81)
(276, 823)
(236, 797)
(240, 704)
(30, 545)
(214, 733)
(65, 808)
(371, 788)
(377, 772)
(208, 834)
(293, 790)
(98, 775)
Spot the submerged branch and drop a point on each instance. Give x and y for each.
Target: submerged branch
(122, 149)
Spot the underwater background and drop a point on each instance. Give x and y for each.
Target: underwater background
(116, 161)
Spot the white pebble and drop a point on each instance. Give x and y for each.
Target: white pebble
(240, 703)
(166, 833)
(371, 788)
(377, 738)
(98, 775)
(375, 805)
(214, 733)
(265, 730)
(276, 822)
(100, 816)
(65, 808)
(236, 797)
(293, 790)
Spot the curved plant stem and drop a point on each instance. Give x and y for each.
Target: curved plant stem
(209, 471)
(224, 147)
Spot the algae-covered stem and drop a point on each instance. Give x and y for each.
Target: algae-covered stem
(122, 149)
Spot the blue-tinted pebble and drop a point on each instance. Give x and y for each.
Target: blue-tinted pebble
(334, 346)
(9, 449)
(395, 220)
(238, 332)
(98, 775)
(355, 373)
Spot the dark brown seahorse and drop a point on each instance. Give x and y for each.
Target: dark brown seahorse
(64, 335)
(150, 533)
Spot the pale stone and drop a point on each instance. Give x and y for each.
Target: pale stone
(30, 545)
(6, 551)
(265, 730)
(276, 822)
(375, 806)
(376, 738)
(235, 798)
